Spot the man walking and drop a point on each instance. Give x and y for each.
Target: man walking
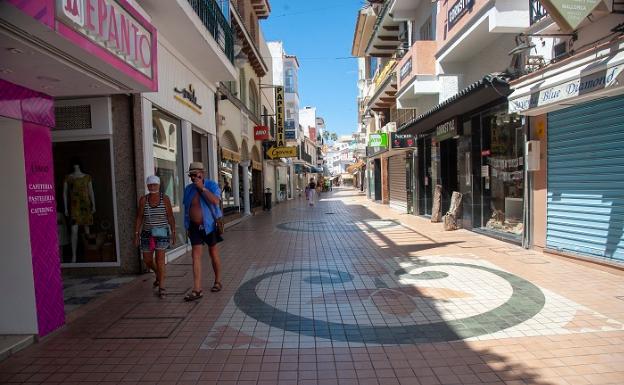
(201, 209)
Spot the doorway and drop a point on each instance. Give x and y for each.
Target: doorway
(448, 171)
(377, 179)
(425, 191)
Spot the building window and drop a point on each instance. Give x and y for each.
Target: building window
(289, 81)
(253, 99)
(242, 96)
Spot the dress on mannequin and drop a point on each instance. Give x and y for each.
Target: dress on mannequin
(79, 204)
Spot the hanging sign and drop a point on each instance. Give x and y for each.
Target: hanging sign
(569, 14)
(402, 140)
(279, 115)
(457, 10)
(378, 140)
(261, 133)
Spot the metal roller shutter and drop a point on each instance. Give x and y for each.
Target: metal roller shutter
(396, 179)
(586, 179)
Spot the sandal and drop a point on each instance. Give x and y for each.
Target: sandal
(216, 287)
(162, 292)
(156, 284)
(193, 295)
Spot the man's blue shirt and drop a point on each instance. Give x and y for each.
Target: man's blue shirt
(208, 209)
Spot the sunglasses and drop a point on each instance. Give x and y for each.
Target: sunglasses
(193, 175)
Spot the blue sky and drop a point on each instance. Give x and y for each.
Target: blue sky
(319, 32)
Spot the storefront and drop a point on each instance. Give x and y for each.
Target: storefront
(86, 149)
(576, 128)
(477, 150)
(256, 192)
(178, 128)
(400, 171)
(66, 156)
(374, 171)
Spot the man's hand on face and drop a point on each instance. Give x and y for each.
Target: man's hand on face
(198, 181)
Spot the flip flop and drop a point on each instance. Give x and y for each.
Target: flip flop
(216, 287)
(162, 293)
(193, 295)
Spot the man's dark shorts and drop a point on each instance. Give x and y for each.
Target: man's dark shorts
(198, 236)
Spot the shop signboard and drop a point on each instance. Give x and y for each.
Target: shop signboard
(406, 69)
(279, 115)
(42, 217)
(577, 86)
(187, 97)
(447, 130)
(261, 133)
(569, 14)
(402, 140)
(457, 11)
(378, 140)
(273, 151)
(290, 134)
(114, 26)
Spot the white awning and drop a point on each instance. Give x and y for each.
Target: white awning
(594, 75)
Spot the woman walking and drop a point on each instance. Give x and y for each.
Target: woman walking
(155, 230)
(312, 191)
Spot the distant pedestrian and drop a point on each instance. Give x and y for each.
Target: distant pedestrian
(155, 230)
(201, 211)
(312, 191)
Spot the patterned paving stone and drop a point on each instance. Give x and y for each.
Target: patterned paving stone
(366, 295)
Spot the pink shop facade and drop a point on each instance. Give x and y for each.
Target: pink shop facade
(68, 73)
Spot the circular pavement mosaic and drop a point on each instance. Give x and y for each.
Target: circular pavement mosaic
(525, 300)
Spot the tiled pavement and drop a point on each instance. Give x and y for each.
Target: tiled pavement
(350, 292)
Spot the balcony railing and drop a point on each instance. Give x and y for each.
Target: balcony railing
(536, 11)
(213, 19)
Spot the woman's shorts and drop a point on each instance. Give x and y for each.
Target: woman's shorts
(150, 243)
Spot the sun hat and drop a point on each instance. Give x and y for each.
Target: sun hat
(152, 179)
(196, 166)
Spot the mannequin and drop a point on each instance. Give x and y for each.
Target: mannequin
(79, 202)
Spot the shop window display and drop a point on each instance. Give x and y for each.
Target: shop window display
(502, 172)
(225, 182)
(85, 201)
(168, 165)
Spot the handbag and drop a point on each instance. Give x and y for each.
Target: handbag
(219, 225)
(157, 232)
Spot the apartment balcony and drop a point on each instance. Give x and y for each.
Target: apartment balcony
(536, 11)
(416, 75)
(486, 23)
(248, 39)
(199, 31)
(385, 38)
(403, 10)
